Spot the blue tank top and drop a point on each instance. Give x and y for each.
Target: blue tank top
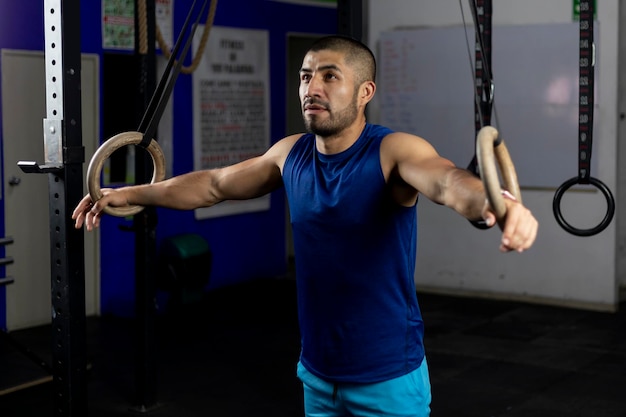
(355, 260)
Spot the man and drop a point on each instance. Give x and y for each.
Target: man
(352, 189)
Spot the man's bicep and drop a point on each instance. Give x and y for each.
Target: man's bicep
(256, 176)
(418, 164)
(247, 179)
(429, 176)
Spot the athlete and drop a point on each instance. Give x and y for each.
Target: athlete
(352, 189)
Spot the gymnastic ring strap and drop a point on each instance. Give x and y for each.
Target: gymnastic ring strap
(104, 152)
(610, 210)
(481, 71)
(490, 148)
(586, 89)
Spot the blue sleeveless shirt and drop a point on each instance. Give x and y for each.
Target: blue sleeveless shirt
(355, 253)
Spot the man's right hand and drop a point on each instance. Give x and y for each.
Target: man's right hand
(89, 213)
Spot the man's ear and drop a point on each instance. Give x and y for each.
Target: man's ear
(367, 91)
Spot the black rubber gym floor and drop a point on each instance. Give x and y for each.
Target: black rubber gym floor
(233, 354)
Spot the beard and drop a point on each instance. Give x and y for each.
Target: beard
(336, 121)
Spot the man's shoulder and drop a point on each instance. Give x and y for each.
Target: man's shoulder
(281, 149)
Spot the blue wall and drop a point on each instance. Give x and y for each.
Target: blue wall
(21, 27)
(245, 246)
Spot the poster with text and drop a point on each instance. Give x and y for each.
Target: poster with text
(231, 107)
(118, 24)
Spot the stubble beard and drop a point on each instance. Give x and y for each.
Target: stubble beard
(335, 123)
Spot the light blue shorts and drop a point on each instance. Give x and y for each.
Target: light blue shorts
(407, 395)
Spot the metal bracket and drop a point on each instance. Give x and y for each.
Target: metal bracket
(32, 167)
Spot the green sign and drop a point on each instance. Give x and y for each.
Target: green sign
(576, 9)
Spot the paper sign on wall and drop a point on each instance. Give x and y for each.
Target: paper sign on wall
(231, 107)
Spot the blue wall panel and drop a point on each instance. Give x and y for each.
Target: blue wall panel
(244, 247)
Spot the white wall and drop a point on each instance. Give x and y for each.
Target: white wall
(561, 269)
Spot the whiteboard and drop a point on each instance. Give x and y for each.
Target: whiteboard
(427, 81)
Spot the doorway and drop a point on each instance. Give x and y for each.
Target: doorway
(28, 298)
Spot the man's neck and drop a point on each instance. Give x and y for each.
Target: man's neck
(330, 145)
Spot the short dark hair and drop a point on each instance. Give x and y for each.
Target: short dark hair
(356, 52)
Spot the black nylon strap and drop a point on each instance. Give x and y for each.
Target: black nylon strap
(158, 102)
(483, 97)
(483, 81)
(585, 91)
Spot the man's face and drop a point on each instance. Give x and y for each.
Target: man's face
(328, 93)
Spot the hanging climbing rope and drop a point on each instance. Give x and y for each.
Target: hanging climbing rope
(165, 48)
(149, 123)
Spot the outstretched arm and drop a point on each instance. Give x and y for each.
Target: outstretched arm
(414, 161)
(245, 180)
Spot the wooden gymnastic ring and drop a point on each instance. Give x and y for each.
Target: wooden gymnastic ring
(489, 148)
(104, 152)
